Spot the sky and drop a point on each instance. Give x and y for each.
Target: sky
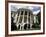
(35, 9)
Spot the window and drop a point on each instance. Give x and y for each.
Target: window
(25, 12)
(21, 12)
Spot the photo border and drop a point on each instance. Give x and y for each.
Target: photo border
(6, 17)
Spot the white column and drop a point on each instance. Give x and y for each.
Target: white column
(34, 18)
(12, 15)
(15, 18)
(27, 19)
(18, 20)
(23, 20)
(31, 21)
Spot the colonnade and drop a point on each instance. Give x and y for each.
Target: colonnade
(28, 21)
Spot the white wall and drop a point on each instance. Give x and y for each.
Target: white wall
(2, 17)
(2, 20)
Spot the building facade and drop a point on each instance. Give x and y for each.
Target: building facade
(23, 19)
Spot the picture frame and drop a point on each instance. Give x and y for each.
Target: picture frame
(34, 6)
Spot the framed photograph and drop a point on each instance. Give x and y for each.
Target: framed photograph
(25, 18)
